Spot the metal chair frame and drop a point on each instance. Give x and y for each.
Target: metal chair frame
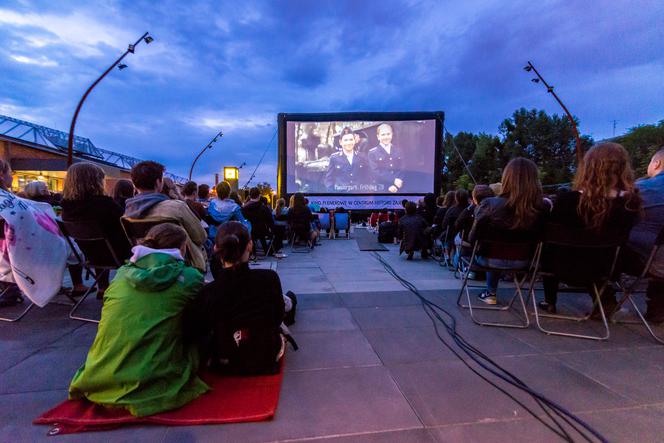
(629, 289)
(471, 265)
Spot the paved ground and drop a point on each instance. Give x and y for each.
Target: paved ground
(370, 368)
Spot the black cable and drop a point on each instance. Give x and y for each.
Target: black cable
(253, 174)
(477, 356)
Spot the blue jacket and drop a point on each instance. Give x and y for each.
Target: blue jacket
(643, 235)
(222, 211)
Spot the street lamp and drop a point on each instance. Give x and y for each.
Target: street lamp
(579, 152)
(70, 145)
(208, 146)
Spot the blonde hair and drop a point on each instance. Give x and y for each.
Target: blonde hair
(605, 169)
(35, 189)
(83, 180)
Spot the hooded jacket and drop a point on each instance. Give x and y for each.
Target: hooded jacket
(139, 360)
(155, 205)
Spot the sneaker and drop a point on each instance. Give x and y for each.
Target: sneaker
(548, 308)
(280, 255)
(488, 298)
(289, 318)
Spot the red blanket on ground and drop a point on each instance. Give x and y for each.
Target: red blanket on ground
(231, 400)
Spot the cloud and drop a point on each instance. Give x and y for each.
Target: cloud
(39, 61)
(230, 122)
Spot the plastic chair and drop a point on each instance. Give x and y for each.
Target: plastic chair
(629, 287)
(515, 246)
(342, 222)
(99, 254)
(585, 260)
(325, 224)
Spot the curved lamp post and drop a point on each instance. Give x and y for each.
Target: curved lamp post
(208, 146)
(70, 146)
(579, 150)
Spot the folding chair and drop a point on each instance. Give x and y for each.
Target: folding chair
(629, 286)
(12, 286)
(342, 222)
(137, 228)
(581, 259)
(98, 252)
(515, 246)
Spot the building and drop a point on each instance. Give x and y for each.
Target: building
(39, 153)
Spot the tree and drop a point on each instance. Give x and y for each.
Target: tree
(641, 142)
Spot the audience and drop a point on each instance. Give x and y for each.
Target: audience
(604, 201)
(518, 211)
(238, 317)
(461, 202)
(428, 208)
(139, 359)
(281, 212)
(236, 198)
(262, 223)
(170, 189)
(190, 193)
(300, 218)
(388, 230)
(122, 191)
(643, 235)
(204, 195)
(38, 191)
(411, 232)
(148, 178)
(464, 222)
(223, 209)
(84, 200)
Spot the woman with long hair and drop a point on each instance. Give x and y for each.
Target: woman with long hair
(238, 316)
(519, 210)
(300, 218)
(123, 191)
(83, 199)
(139, 359)
(604, 200)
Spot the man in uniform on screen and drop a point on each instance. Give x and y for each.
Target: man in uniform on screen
(348, 170)
(386, 161)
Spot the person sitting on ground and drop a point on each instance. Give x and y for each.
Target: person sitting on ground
(189, 193)
(238, 317)
(84, 200)
(300, 218)
(262, 223)
(387, 230)
(139, 359)
(223, 209)
(150, 203)
(605, 201)
(411, 232)
(518, 212)
(643, 235)
(204, 195)
(123, 191)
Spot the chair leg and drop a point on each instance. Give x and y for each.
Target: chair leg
(598, 302)
(20, 316)
(517, 294)
(71, 313)
(629, 296)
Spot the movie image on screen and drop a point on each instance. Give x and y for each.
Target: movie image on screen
(360, 157)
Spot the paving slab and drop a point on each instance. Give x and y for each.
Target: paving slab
(337, 349)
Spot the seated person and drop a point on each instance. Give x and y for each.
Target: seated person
(411, 232)
(139, 360)
(642, 237)
(300, 218)
(387, 230)
(238, 317)
(122, 191)
(190, 195)
(84, 200)
(604, 201)
(262, 223)
(204, 195)
(223, 209)
(451, 215)
(464, 222)
(148, 178)
(518, 212)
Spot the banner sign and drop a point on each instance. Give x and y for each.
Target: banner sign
(351, 202)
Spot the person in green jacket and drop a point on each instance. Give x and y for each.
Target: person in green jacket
(139, 359)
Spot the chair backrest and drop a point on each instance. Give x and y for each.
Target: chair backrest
(93, 242)
(341, 221)
(324, 220)
(136, 229)
(578, 256)
(506, 244)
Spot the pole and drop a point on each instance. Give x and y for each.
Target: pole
(208, 146)
(549, 89)
(70, 144)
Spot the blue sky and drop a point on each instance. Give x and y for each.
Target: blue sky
(233, 65)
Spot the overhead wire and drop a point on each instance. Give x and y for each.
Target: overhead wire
(269, 144)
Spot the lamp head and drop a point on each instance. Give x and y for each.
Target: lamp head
(121, 66)
(148, 39)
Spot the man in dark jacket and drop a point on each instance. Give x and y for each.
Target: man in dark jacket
(262, 223)
(411, 232)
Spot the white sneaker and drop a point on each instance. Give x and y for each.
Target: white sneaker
(280, 255)
(488, 298)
